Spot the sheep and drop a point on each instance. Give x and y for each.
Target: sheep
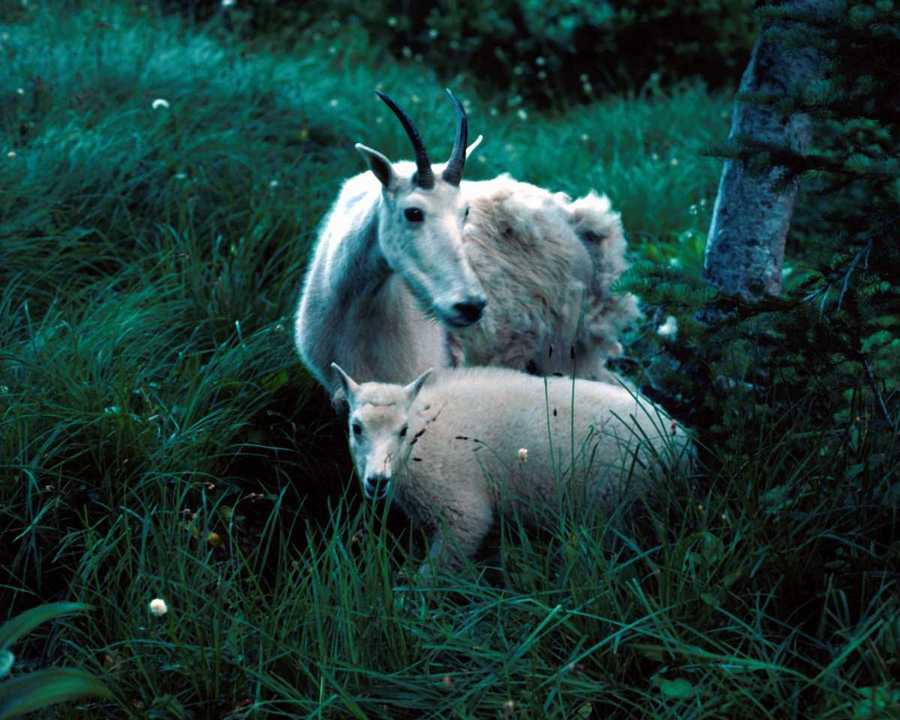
(410, 258)
(456, 447)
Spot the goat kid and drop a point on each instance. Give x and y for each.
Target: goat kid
(456, 447)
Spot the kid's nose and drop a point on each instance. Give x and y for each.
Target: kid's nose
(375, 486)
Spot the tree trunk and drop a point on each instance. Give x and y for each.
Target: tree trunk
(752, 214)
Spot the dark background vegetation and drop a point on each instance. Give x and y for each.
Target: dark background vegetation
(158, 437)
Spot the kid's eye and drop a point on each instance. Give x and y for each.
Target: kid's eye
(357, 428)
(403, 431)
(467, 213)
(414, 215)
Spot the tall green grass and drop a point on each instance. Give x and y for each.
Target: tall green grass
(158, 437)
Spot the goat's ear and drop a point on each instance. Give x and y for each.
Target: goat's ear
(412, 390)
(347, 383)
(474, 146)
(379, 165)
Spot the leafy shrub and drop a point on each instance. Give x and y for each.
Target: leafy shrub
(533, 51)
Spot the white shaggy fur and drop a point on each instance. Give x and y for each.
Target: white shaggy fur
(382, 295)
(547, 266)
(456, 447)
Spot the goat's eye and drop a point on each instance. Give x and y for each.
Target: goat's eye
(357, 428)
(467, 213)
(414, 214)
(403, 431)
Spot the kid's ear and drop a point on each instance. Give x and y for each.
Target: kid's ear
(347, 383)
(412, 390)
(379, 165)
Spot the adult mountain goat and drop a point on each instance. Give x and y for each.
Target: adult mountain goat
(457, 446)
(416, 268)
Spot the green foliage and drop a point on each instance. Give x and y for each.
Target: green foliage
(32, 691)
(534, 52)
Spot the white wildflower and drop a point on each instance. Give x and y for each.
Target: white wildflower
(392, 21)
(11, 154)
(333, 102)
(228, 3)
(523, 115)
(273, 183)
(158, 607)
(160, 103)
(523, 455)
(673, 162)
(20, 91)
(669, 329)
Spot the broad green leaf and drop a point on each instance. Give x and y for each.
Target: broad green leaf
(678, 689)
(23, 624)
(6, 662)
(37, 690)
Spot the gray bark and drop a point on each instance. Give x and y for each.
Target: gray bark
(753, 209)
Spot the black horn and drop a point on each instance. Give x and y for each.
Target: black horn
(454, 170)
(424, 178)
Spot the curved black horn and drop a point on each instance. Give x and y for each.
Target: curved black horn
(424, 178)
(454, 170)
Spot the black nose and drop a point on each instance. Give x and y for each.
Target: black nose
(375, 484)
(470, 310)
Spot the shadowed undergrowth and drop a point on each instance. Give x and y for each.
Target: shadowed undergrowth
(159, 439)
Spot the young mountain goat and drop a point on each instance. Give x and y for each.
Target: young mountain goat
(460, 445)
(411, 257)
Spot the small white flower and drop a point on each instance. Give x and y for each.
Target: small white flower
(20, 91)
(228, 3)
(539, 60)
(523, 455)
(11, 154)
(433, 33)
(273, 183)
(333, 102)
(181, 176)
(160, 103)
(673, 162)
(584, 137)
(674, 262)
(158, 607)
(406, 52)
(494, 112)
(669, 329)
(332, 50)
(415, 99)
(392, 22)
(522, 114)
(654, 156)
